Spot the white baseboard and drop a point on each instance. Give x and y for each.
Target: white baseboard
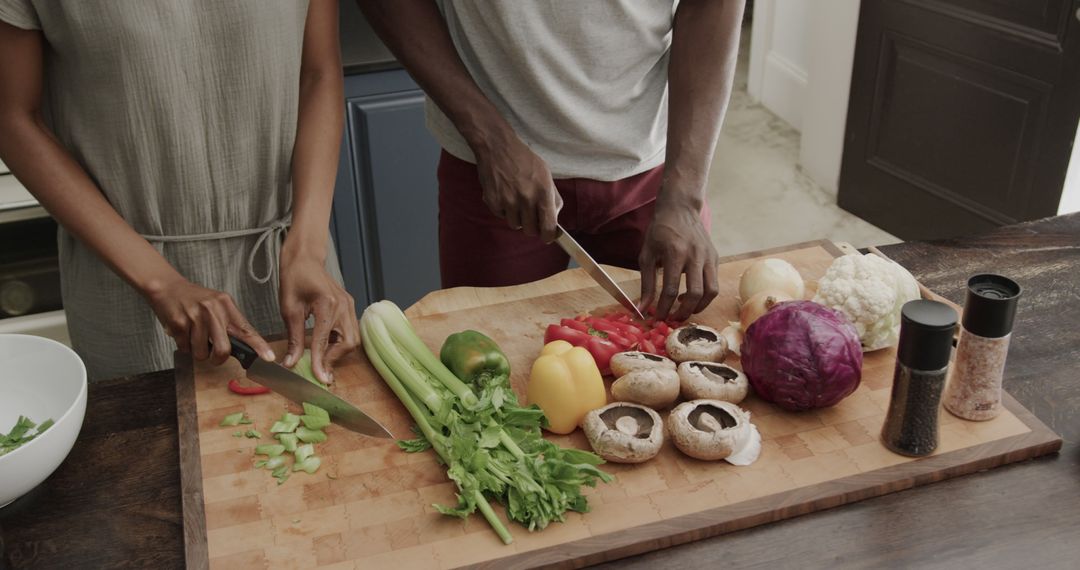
(783, 89)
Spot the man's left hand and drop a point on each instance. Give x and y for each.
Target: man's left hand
(678, 243)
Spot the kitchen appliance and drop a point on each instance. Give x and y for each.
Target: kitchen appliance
(29, 271)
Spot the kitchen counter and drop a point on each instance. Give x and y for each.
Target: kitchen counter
(116, 500)
(361, 49)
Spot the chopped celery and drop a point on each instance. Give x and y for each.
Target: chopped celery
(303, 452)
(288, 440)
(309, 465)
(310, 435)
(260, 464)
(253, 434)
(238, 434)
(270, 449)
(245, 421)
(315, 417)
(287, 424)
(313, 410)
(275, 463)
(314, 422)
(20, 434)
(232, 419)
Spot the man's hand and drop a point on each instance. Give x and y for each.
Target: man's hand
(308, 289)
(195, 316)
(517, 187)
(677, 242)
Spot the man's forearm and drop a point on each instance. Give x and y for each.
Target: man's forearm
(416, 33)
(704, 47)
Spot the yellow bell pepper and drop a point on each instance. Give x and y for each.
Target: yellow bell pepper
(566, 384)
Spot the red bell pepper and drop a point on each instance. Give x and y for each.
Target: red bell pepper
(237, 388)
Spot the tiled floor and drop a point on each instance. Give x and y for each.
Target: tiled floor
(759, 196)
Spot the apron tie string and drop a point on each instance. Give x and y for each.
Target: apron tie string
(269, 243)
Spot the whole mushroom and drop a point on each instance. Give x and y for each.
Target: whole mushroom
(712, 381)
(624, 433)
(624, 363)
(696, 342)
(712, 429)
(653, 387)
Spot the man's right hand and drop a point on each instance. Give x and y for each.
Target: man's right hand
(517, 187)
(194, 316)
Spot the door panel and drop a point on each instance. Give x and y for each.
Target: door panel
(396, 161)
(962, 114)
(1043, 18)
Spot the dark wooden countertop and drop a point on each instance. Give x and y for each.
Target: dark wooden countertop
(115, 502)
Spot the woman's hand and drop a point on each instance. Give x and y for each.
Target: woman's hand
(308, 289)
(195, 316)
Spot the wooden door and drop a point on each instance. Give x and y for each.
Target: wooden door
(962, 113)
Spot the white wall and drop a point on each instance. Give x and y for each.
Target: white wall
(831, 48)
(801, 57)
(778, 57)
(1070, 195)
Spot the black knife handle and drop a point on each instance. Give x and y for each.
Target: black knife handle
(242, 352)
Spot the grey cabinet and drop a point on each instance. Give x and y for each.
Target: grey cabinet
(385, 218)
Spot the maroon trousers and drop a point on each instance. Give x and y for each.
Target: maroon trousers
(477, 249)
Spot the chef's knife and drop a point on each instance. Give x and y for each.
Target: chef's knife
(582, 257)
(300, 390)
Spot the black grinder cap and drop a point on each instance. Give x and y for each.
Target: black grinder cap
(926, 334)
(990, 305)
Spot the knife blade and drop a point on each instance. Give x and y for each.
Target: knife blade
(299, 389)
(582, 257)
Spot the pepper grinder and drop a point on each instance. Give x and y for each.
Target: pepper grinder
(922, 363)
(974, 390)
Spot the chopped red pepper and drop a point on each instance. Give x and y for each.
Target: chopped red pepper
(237, 388)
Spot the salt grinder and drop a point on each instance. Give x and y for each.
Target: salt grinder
(922, 363)
(974, 390)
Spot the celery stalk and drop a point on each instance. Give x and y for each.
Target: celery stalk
(377, 344)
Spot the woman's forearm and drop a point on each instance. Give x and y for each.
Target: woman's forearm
(315, 161)
(320, 121)
(47, 170)
(58, 182)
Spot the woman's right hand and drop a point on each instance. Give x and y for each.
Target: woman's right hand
(195, 316)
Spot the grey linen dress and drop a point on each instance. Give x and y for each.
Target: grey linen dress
(184, 114)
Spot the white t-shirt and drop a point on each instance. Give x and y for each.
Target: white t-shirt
(582, 82)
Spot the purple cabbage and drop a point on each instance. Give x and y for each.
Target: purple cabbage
(802, 355)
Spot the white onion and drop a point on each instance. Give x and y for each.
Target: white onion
(771, 274)
(758, 305)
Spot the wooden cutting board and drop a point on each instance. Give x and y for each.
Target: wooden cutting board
(370, 504)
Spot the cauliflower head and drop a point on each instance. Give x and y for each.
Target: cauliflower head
(870, 291)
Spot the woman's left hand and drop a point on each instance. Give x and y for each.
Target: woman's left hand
(308, 289)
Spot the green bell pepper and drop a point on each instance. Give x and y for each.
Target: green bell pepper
(470, 355)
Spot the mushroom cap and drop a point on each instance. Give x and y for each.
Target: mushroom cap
(624, 433)
(624, 363)
(653, 387)
(696, 342)
(712, 381)
(709, 429)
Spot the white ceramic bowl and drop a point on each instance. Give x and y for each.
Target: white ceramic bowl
(41, 379)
